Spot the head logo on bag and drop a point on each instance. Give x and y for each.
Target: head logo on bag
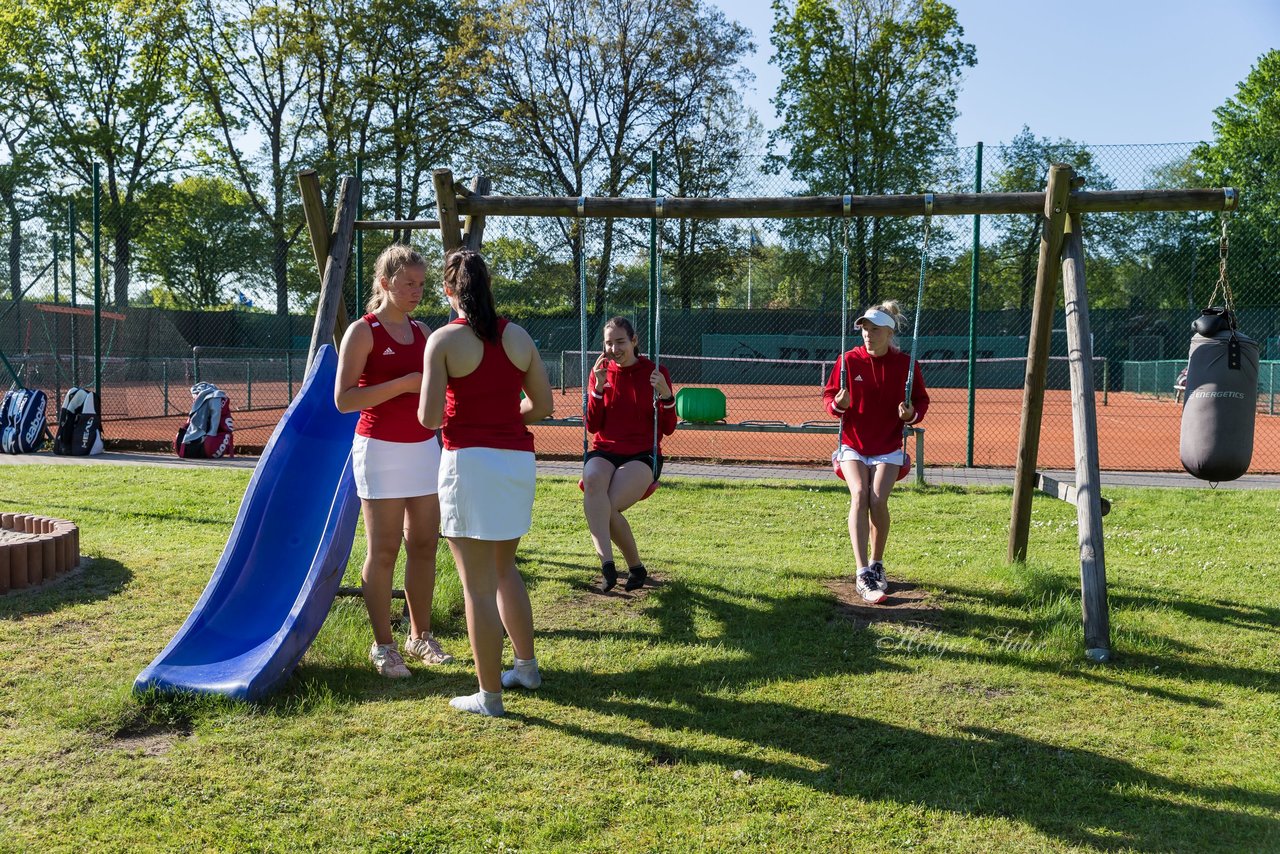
(209, 431)
(22, 421)
(79, 425)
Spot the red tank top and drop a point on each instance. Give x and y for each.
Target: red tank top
(394, 420)
(482, 409)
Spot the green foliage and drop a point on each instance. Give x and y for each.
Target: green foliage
(1245, 154)
(201, 238)
(867, 102)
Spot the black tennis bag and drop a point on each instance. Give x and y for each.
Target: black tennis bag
(79, 424)
(22, 427)
(1219, 406)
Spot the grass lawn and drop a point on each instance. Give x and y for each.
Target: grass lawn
(733, 706)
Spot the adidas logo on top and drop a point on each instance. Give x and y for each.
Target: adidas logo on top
(388, 352)
(858, 378)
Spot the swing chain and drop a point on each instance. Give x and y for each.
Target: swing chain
(1223, 285)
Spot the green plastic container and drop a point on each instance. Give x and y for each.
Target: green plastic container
(700, 405)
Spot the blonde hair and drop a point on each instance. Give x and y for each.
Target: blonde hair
(894, 310)
(393, 259)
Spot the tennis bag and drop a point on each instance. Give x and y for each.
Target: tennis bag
(1220, 403)
(209, 431)
(79, 424)
(22, 427)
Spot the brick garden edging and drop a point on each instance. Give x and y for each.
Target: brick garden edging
(35, 549)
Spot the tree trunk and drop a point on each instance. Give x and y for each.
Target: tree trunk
(280, 266)
(120, 266)
(15, 250)
(1027, 265)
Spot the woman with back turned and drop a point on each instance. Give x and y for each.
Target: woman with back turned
(474, 371)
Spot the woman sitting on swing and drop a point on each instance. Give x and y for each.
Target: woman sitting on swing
(873, 410)
(624, 391)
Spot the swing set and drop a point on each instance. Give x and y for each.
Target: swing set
(461, 214)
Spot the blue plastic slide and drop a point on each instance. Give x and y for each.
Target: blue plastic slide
(283, 562)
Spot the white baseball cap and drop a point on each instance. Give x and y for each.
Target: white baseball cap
(876, 317)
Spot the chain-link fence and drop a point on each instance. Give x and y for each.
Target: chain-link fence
(749, 308)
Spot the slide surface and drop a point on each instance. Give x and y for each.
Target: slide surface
(283, 562)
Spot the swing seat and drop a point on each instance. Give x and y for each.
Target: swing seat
(903, 470)
(653, 487)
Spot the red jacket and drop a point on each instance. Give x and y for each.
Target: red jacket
(622, 417)
(877, 385)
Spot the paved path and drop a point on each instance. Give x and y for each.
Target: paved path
(570, 468)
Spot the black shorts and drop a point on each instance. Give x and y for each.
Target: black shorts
(620, 460)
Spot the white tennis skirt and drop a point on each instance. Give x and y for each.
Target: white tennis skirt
(893, 458)
(486, 493)
(395, 469)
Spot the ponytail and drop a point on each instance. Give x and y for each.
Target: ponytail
(466, 276)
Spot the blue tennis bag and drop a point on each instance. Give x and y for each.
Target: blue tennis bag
(22, 424)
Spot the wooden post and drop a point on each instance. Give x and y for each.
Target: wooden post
(1084, 424)
(321, 235)
(447, 210)
(473, 225)
(1055, 215)
(335, 270)
(944, 204)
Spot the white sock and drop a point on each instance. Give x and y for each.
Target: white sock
(480, 703)
(525, 674)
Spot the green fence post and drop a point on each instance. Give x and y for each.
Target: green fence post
(195, 364)
(1106, 379)
(57, 324)
(97, 279)
(1271, 388)
(248, 382)
(973, 313)
(288, 372)
(359, 312)
(164, 376)
(75, 327)
(653, 252)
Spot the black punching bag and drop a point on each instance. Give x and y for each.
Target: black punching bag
(1221, 399)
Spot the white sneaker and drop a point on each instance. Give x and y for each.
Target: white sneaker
(882, 581)
(865, 584)
(427, 650)
(387, 661)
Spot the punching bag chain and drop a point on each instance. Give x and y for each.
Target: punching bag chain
(1222, 284)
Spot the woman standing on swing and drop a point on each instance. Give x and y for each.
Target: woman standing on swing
(627, 392)
(867, 391)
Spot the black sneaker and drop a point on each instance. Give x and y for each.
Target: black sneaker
(636, 577)
(882, 582)
(865, 584)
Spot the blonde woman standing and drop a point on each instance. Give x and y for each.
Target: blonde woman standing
(395, 458)
(873, 409)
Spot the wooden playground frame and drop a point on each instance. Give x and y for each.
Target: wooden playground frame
(461, 213)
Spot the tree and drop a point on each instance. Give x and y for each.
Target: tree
(253, 81)
(106, 76)
(21, 169)
(1245, 153)
(199, 238)
(585, 90)
(1024, 168)
(867, 102)
(395, 86)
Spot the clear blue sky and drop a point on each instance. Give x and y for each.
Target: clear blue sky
(1129, 71)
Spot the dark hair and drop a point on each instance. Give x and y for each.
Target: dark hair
(466, 276)
(625, 325)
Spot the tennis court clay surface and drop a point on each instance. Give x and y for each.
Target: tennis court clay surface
(1135, 432)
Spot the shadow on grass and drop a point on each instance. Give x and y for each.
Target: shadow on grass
(97, 579)
(676, 713)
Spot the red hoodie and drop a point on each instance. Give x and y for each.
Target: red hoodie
(622, 418)
(876, 385)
